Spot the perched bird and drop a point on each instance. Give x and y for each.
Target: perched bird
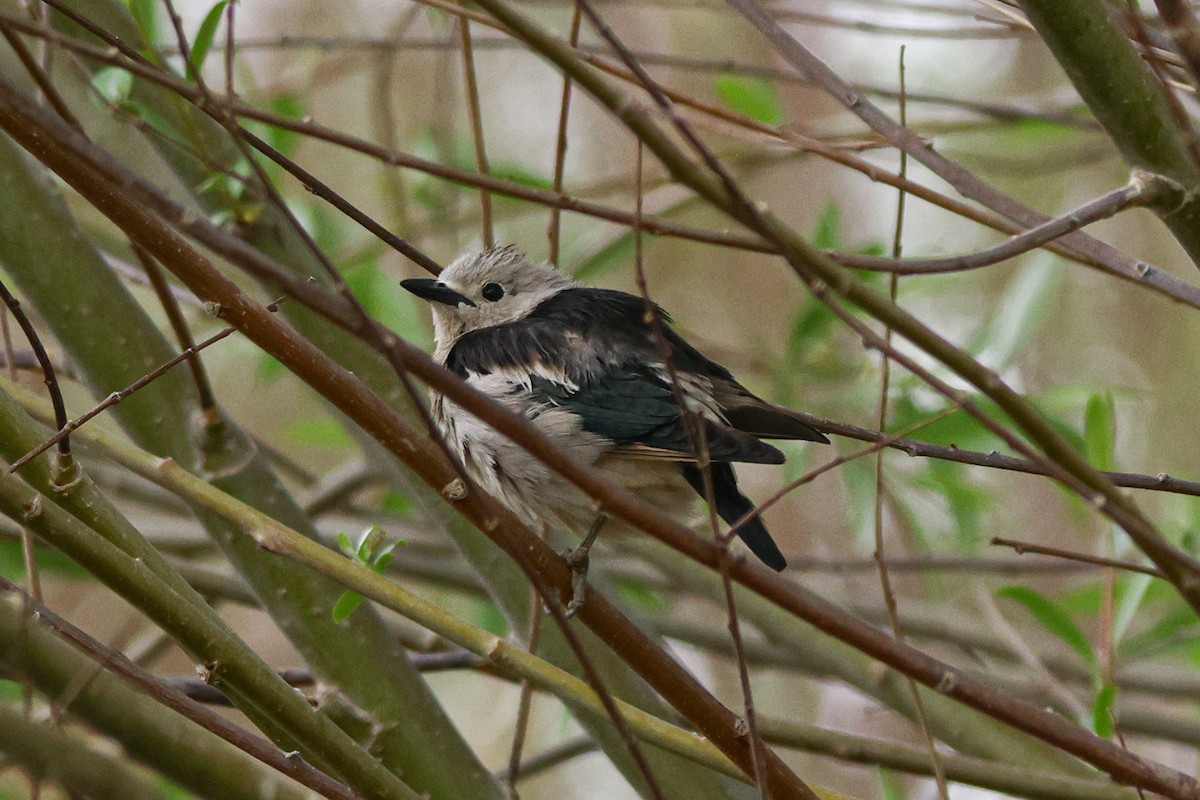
(587, 367)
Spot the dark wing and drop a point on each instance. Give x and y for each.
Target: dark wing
(592, 351)
(638, 411)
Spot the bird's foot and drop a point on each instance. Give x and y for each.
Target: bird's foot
(577, 561)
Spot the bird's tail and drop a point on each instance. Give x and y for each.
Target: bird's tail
(731, 506)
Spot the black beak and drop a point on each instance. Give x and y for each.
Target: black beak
(435, 291)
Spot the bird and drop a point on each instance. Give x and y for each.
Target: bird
(603, 374)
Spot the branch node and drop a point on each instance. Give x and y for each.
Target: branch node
(947, 682)
(32, 509)
(455, 490)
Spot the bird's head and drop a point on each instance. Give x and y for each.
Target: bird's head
(483, 289)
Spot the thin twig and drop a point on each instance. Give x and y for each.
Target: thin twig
(1021, 548)
(553, 231)
(885, 581)
(115, 397)
(475, 114)
(1144, 190)
(48, 375)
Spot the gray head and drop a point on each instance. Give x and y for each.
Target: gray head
(483, 289)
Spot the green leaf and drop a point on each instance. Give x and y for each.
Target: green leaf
(827, 234)
(1131, 590)
(618, 252)
(891, 787)
(269, 369)
(114, 84)
(754, 97)
(1027, 303)
(383, 559)
(368, 543)
(1100, 430)
(637, 593)
(202, 43)
(965, 500)
(491, 620)
(1102, 710)
(290, 105)
(1175, 626)
(520, 175)
(394, 502)
(12, 562)
(345, 545)
(319, 431)
(145, 16)
(346, 605)
(1052, 618)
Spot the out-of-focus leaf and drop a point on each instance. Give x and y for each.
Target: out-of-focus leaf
(396, 503)
(1024, 307)
(366, 282)
(891, 787)
(1041, 131)
(1179, 625)
(638, 594)
(965, 500)
(827, 234)
(290, 105)
(754, 97)
(268, 368)
(813, 321)
(1100, 430)
(145, 16)
(113, 84)
(12, 562)
(1052, 618)
(491, 620)
(202, 43)
(859, 479)
(617, 253)
(150, 116)
(383, 298)
(1102, 710)
(959, 428)
(520, 175)
(319, 431)
(1131, 590)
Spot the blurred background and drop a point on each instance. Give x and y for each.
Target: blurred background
(1105, 361)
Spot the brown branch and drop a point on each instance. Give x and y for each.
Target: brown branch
(1145, 189)
(1021, 548)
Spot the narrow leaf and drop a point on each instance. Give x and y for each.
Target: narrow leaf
(1052, 618)
(753, 97)
(145, 16)
(1100, 430)
(827, 234)
(1102, 710)
(202, 43)
(346, 605)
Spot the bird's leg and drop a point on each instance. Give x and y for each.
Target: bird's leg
(577, 560)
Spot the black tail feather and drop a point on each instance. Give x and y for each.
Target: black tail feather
(732, 505)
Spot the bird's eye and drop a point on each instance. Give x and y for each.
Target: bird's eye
(492, 292)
